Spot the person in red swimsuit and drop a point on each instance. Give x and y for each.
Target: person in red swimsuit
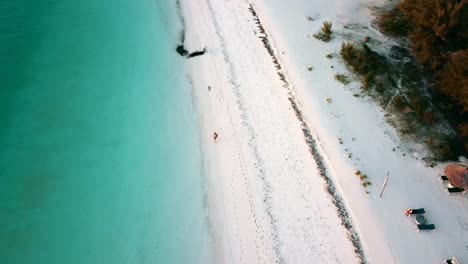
(408, 212)
(215, 136)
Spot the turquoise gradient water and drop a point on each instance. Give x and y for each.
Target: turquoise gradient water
(99, 152)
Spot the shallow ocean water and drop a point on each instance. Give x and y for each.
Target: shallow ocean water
(99, 149)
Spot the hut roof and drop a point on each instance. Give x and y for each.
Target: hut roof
(457, 175)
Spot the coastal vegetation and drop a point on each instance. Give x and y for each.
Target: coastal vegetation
(363, 178)
(424, 90)
(437, 32)
(342, 78)
(400, 91)
(365, 62)
(394, 23)
(325, 33)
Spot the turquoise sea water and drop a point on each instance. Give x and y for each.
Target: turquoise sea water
(99, 152)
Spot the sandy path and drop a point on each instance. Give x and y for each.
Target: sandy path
(274, 202)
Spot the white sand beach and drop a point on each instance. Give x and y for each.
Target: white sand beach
(281, 176)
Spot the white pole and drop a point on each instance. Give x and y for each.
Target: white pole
(384, 184)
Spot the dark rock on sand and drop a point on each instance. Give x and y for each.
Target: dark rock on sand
(181, 50)
(197, 53)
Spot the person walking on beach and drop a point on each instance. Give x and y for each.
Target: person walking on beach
(215, 136)
(408, 212)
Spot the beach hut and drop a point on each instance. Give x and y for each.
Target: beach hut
(457, 175)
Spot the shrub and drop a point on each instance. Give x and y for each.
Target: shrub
(327, 30)
(395, 23)
(429, 118)
(438, 33)
(463, 129)
(325, 33)
(348, 52)
(366, 81)
(342, 78)
(439, 27)
(365, 62)
(452, 80)
(361, 60)
(379, 87)
(445, 152)
(398, 101)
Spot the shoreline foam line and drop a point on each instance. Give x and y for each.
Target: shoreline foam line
(313, 147)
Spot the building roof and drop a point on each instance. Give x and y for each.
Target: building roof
(457, 175)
